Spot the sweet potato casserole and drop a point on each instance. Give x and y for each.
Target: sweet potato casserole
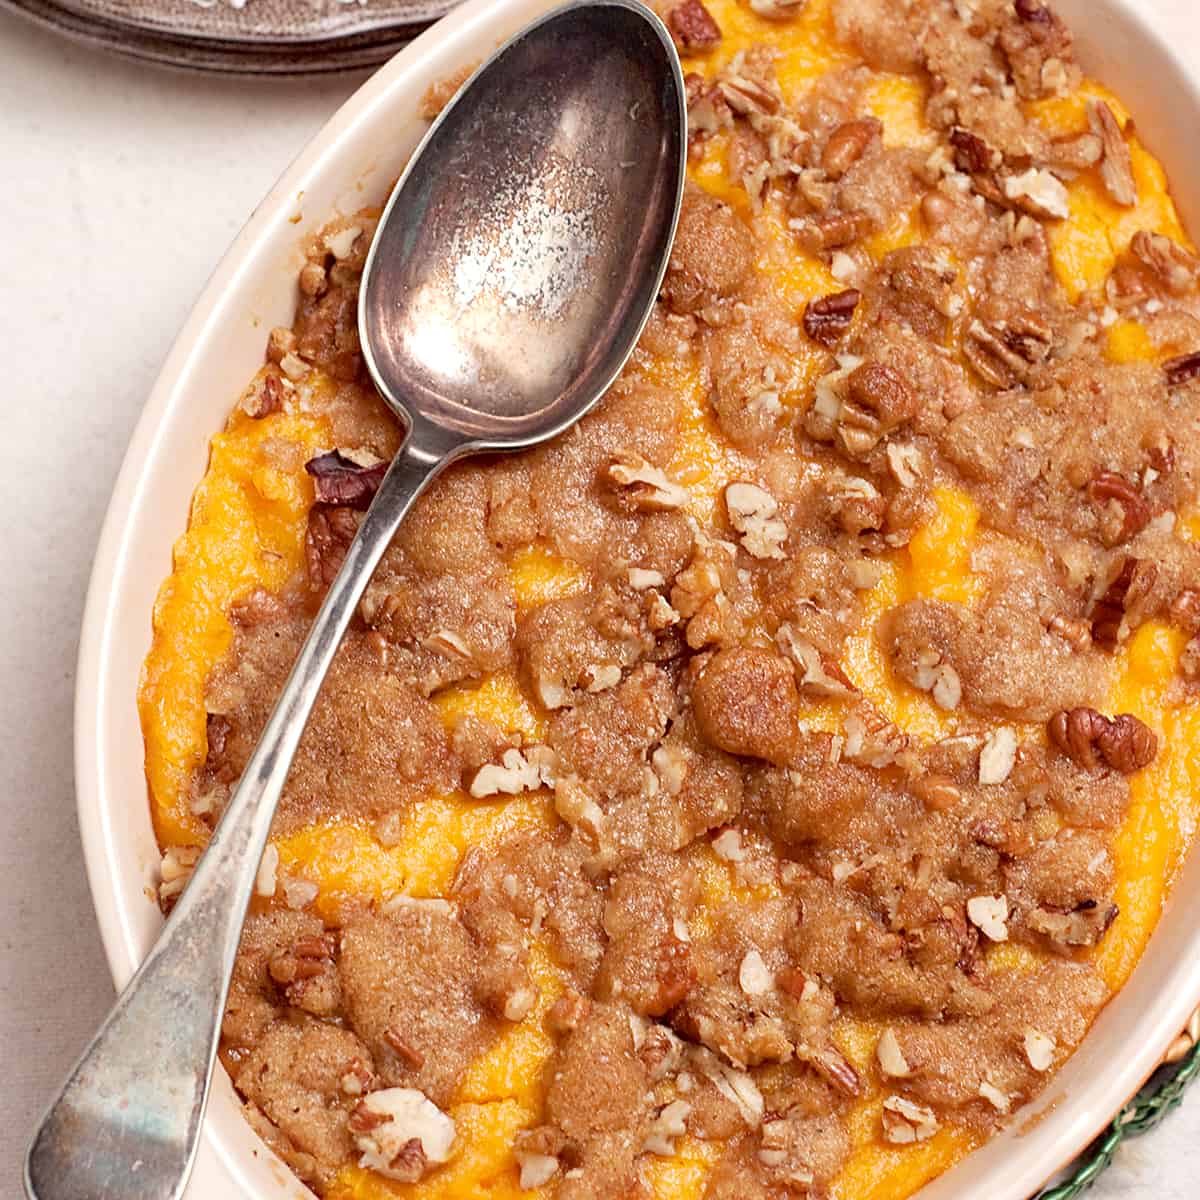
(757, 792)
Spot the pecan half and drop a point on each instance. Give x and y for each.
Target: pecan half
(692, 26)
(829, 231)
(340, 480)
(827, 318)
(1183, 369)
(1005, 351)
(1093, 740)
(1110, 488)
(847, 144)
(1130, 586)
(1116, 167)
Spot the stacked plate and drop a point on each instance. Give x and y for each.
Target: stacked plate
(245, 37)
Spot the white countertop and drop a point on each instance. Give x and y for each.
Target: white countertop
(123, 185)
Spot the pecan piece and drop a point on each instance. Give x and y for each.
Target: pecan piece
(264, 397)
(830, 231)
(1184, 611)
(708, 111)
(1084, 925)
(330, 532)
(1130, 586)
(939, 793)
(1116, 167)
(341, 480)
(1093, 740)
(641, 486)
(1172, 265)
(1183, 369)
(693, 27)
(834, 1067)
(748, 97)
(877, 396)
(847, 144)
(1109, 488)
(1006, 350)
(971, 153)
(1034, 12)
(827, 319)
(406, 1052)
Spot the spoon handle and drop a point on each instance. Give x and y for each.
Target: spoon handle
(126, 1124)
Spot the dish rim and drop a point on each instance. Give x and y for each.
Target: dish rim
(1131, 1034)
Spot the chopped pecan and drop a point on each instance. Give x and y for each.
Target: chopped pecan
(1185, 610)
(567, 1012)
(330, 532)
(1078, 634)
(642, 485)
(1183, 369)
(1109, 488)
(1084, 925)
(1131, 584)
(1039, 193)
(820, 674)
(749, 97)
(1093, 740)
(971, 153)
(1189, 661)
(406, 1052)
(1076, 153)
(264, 397)
(1034, 12)
(1116, 167)
(708, 110)
(937, 792)
(836, 1069)
(1176, 268)
(217, 727)
(847, 144)
(827, 319)
(341, 480)
(871, 738)
(692, 26)
(753, 512)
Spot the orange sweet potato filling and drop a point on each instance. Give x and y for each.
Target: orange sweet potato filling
(247, 530)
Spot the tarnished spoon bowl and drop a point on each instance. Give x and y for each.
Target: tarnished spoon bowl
(513, 270)
(546, 197)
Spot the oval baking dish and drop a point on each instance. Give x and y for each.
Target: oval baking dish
(350, 163)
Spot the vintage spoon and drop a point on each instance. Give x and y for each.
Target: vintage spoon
(512, 272)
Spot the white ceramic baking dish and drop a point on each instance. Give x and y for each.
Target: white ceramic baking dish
(1136, 46)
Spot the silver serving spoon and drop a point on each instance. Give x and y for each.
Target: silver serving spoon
(512, 272)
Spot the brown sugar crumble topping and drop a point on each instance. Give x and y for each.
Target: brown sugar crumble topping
(814, 717)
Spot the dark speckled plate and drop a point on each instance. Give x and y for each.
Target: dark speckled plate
(263, 37)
